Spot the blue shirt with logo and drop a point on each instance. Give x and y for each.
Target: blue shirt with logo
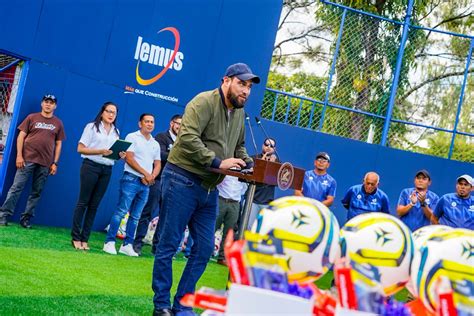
(357, 201)
(318, 187)
(455, 212)
(415, 218)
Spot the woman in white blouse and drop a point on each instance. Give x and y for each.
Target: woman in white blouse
(97, 138)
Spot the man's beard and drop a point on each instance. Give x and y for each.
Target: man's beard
(234, 100)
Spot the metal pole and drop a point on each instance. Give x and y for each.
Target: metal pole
(396, 77)
(333, 69)
(461, 98)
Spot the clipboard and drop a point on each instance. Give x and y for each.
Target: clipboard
(117, 147)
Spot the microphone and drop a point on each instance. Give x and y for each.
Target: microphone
(259, 123)
(247, 118)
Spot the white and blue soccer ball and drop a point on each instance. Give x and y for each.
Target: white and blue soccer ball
(383, 241)
(309, 233)
(420, 236)
(449, 254)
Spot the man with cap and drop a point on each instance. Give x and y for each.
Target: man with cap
(366, 197)
(457, 209)
(416, 204)
(317, 183)
(38, 149)
(212, 135)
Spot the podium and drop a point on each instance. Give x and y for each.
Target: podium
(283, 175)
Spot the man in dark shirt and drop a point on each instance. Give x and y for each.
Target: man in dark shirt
(38, 150)
(166, 140)
(264, 193)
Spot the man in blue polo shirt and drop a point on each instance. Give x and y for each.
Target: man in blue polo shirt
(365, 197)
(317, 183)
(456, 209)
(416, 204)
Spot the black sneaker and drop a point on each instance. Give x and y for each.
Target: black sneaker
(25, 223)
(3, 221)
(163, 312)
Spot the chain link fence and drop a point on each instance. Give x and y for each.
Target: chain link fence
(10, 71)
(348, 91)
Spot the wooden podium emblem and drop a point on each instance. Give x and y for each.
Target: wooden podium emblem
(285, 176)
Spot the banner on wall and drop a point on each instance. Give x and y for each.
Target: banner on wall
(155, 58)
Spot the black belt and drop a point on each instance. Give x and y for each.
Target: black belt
(227, 200)
(96, 163)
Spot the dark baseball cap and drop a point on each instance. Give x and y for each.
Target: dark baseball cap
(51, 97)
(241, 71)
(324, 155)
(423, 172)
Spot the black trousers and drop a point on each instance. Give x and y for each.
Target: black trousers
(94, 178)
(154, 198)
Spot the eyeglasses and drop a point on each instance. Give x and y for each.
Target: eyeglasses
(268, 144)
(177, 123)
(110, 111)
(322, 160)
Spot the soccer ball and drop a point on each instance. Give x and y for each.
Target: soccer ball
(383, 241)
(448, 253)
(309, 233)
(420, 236)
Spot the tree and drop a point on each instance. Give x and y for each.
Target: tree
(366, 62)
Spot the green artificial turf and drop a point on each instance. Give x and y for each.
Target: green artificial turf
(41, 273)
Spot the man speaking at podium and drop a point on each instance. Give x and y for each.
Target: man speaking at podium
(212, 135)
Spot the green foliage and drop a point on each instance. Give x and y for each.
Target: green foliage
(429, 84)
(439, 146)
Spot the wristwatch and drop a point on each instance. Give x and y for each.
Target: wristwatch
(423, 204)
(55, 163)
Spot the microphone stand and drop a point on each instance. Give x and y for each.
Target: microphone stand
(247, 118)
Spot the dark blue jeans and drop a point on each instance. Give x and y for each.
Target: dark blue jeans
(40, 174)
(184, 202)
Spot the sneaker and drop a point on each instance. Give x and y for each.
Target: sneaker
(3, 221)
(25, 223)
(109, 247)
(128, 250)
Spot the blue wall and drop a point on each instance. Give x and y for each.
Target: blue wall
(83, 52)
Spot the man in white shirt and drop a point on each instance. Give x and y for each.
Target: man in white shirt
(230, 193)
(143, 164)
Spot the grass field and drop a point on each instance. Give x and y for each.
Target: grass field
(40, 273)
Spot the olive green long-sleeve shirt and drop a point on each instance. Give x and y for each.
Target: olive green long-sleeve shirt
(209, 133)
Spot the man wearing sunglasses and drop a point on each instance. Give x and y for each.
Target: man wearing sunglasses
(317, 183)
(264, 193)
(38, 150)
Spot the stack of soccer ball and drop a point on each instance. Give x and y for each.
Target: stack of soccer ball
(313, 242)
